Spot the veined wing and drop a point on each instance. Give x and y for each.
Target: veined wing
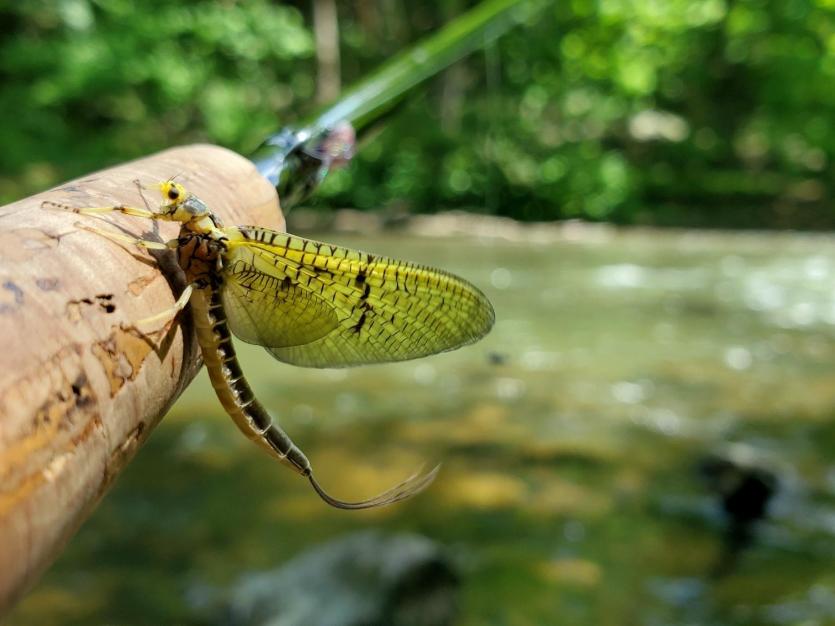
(318, 305)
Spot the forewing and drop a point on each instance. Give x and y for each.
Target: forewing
(317, 305)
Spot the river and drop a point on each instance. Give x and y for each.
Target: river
(574, 441)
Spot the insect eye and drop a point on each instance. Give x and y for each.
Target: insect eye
(173, 194)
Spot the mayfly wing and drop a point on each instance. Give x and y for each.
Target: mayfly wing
(318, 305)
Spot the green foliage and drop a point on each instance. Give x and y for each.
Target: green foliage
(699, 112)
(87, 83)
(706, 112)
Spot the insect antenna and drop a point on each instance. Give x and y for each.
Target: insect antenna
(415, 483)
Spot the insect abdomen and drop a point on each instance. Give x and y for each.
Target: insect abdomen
(229, 383)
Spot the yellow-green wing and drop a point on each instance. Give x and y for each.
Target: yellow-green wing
(318, 305)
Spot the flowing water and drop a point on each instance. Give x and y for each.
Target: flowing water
(570, 440)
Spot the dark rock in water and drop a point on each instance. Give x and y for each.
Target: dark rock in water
(745, 490)
(497, 358)
(365, 579)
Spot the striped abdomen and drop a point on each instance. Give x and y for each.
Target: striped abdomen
(237, 398)
(229, 383)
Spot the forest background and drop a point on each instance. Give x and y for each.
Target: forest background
(711, 113)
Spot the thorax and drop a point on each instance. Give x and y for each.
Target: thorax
(200, 253)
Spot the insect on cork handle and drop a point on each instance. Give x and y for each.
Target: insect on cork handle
(78, 392)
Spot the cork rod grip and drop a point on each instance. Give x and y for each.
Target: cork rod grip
(79, 390)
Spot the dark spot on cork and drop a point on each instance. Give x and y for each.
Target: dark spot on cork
(16, 294)
(47, 284)
(81, 390)
(103, 300)
(17, 291)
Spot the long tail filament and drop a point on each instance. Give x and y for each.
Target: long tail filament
(414, 484)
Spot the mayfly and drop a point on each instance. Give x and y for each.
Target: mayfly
(308, 303)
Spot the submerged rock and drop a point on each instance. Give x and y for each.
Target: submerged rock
(744, 487)
(364, 579)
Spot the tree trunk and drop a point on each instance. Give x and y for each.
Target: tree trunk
(326, 31)
(79, 389)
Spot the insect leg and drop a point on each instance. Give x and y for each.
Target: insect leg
(98, 210)
(170, 313)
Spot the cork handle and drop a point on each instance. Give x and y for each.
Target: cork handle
(79, 391)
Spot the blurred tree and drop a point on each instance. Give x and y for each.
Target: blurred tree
(87, 83)
(326, 29)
